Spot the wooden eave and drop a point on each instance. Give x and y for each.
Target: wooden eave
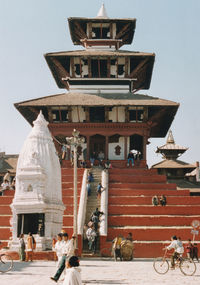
(158, 124)
(143, 72)
(173, 164)
(77, 27)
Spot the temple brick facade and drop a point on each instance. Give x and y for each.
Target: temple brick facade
(104, 101)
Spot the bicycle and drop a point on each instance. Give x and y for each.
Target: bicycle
(186, 265)
(6, 262)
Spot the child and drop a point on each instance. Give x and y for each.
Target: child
(73, 275)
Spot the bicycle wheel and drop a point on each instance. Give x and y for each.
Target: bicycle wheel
(106, 254)
(188, 267)
(161, 265)
(6, 263)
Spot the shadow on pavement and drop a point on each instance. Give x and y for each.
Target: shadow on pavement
(105, 282)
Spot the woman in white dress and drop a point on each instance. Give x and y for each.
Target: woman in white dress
(73, 275)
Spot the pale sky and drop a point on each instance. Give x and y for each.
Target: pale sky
(170, 28)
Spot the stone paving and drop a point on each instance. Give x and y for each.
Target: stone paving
(97, 272)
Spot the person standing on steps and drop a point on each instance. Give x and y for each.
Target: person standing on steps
(95, 218)
(92, 158)
(99, 190)
(91, 236)
(88, 187)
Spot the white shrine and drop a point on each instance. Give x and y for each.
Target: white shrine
(37, 205)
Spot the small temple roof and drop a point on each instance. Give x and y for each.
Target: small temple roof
(171, 145)
(192, 173)
(78, 27)
(170, 163)
(8, 162)
(102, 12)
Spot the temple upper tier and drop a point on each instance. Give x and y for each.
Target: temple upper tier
(123, 70)
(101, 65)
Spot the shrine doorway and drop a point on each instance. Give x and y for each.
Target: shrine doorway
(136, 143)
(31, 223)
(97, 144)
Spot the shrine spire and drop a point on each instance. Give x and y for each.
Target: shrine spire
(102, 12)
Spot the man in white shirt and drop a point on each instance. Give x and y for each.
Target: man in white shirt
(178, 250)
(91, 236)
(67, 252)
(58, 248)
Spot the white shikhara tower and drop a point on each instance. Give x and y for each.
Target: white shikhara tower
(37, 205)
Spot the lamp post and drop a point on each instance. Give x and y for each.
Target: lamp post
(75, 141)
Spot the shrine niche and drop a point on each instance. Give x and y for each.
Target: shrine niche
(118, 150)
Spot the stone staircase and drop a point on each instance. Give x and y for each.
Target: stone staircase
(93, 202)
(130, 209)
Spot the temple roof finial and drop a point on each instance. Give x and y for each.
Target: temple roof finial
(102, 12)
(170, 138)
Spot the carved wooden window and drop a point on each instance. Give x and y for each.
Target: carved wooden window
(136, 114)
(60, 115)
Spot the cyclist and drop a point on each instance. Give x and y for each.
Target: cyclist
(178, 250)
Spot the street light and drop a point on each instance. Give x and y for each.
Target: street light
(75, 141)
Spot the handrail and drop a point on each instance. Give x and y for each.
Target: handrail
(82, 204)
(104, 204)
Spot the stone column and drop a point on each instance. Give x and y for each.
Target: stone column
(125, 148)
(106, 148)
(88, 147)
(144, 147)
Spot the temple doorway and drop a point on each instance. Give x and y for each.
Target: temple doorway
(136, 143)
(97, 144)
(33, 223)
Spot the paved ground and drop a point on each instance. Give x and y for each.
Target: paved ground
(97, 272)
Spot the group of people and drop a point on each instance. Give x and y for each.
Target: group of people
(90, 179)
(65, 251)
(91, 230)
(8, 183)
(162, 200)
(26, 249)
(123, 247)
(192, 250)
(132, 157)
(100, 156)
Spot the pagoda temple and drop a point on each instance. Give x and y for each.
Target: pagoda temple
(171, 166)
(101, 101)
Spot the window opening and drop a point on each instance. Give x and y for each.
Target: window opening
(97, 114)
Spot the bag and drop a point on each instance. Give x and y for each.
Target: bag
(90, 224)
